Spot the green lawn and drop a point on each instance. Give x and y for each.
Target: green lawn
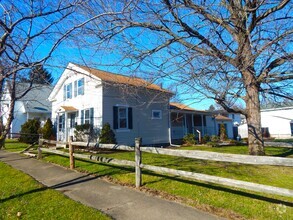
(224, 201)
(22, 194)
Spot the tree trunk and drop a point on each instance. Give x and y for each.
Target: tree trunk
(255, 138)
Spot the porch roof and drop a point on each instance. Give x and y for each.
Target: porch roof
(222, 118)
(67, 109)
(181, 108)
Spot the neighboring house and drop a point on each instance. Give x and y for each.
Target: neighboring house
(185, 120)
(34, 105)
(275, 122)
(132, 106)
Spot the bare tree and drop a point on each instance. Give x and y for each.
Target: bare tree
(26, 29)
(235, 52)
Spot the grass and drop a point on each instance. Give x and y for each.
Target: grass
(270, 151)
(22, 194)
(224, 201)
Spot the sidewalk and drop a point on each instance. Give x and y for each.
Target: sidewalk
(117, 201)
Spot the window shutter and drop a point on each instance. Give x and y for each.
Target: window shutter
(130, 118)
(115, 117)
(82, 117)
(92, 116)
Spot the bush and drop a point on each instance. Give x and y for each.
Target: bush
(48, 130)
(29, 131)
(223, 133)
(206, 138)
(107, 136)
(215, 138)
(82, 132)
(189, 139)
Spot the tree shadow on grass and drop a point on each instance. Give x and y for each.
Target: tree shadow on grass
(215, 187)
(284, 154)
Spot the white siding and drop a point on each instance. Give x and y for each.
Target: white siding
(277, 120)
(92, 97)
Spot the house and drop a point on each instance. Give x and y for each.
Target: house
(34, 105)
(185, 120)
(275, 122)
(132, 106)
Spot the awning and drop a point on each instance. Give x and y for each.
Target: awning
(67, 109)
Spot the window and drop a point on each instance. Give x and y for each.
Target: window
(80, 87)
(122, 117)
(72, 117)
(61, 122)
(291, 125)
(87, 116)
(67, 91)
(156, 114)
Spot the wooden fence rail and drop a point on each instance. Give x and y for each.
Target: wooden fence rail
(256, 160)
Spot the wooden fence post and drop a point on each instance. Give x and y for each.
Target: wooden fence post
(138, 179)
(39, 149)
(71, 151)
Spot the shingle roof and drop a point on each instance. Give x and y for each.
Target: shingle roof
(122, 79)
(180, 106)
(36, 100)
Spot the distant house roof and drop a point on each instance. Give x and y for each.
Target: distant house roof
(122, 79)
(36, 99)
(222, 118)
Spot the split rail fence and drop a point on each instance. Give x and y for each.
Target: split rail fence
(232, 158)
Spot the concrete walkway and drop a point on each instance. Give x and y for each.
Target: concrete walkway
(117, 201)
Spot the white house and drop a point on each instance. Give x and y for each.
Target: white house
(276, 122)
(34, 105)
(132, 106)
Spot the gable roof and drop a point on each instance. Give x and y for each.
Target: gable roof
(122, 79)
(36, 99)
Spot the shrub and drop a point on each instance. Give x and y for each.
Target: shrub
(48, 130)
(29, 131)
(206, 138)
(82, 132)
(189, 139)
(107, 136)
(215, 138)
(223, 133)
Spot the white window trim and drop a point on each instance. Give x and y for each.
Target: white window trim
(78, 87)
(155, 118)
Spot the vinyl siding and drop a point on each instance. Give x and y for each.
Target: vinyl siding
(142, 102)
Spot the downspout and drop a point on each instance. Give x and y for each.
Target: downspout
(170, 128)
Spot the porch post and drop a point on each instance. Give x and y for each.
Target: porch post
(65, 127)
(202, 125)
(192, 119)
(185, 124)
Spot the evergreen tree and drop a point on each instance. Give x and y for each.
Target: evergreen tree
(48, 129)
(223, 133)
(38, 74)
(107, 136)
